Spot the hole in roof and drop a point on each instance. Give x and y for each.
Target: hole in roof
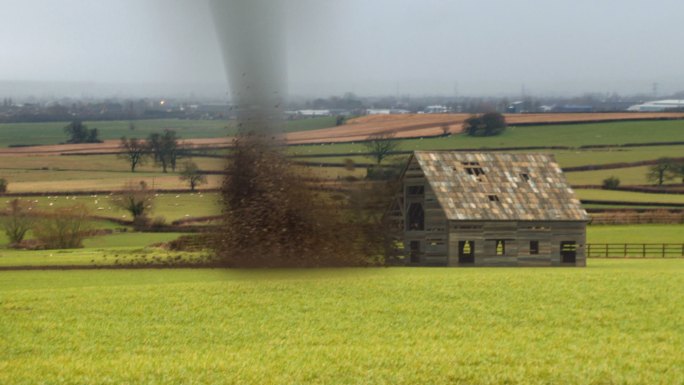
(493, 198)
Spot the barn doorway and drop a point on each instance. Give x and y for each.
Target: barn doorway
(416, 217)
(569, 252)
(415, 252)
(466, 252)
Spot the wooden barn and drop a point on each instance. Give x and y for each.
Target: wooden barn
(489, 209)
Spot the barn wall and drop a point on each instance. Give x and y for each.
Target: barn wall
(433, 239)
(517, 237)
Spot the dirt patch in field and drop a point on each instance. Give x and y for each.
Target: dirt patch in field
(404, 126)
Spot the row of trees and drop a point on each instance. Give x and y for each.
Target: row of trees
(164, 149)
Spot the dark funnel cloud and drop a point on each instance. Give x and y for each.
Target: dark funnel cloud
(252, 38)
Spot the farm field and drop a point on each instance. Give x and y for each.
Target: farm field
(93, 163)
(628, 176)
(616, 321)
(626, 196)
(565, 158)
(422, 125)
(635, 234)
(179, 206)
(171, 207)
(53, 132)
(103, 250)
(560, 135)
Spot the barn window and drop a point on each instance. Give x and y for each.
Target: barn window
(466, 252)
(416, 217)
(500, 247)
(534, 247)
(493, 198)
(415, 190)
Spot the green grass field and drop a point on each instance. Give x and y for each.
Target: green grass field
(106, 250)
(615, 322)
(606, 195)
(628, 176)
(636, 234)
(560, 135)
(53, 132)
(169, 206)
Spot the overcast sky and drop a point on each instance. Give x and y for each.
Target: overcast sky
(370, 47)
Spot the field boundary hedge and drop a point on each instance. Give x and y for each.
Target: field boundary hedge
(630, 203)
(673, 189)
(661, 217)
(610, 166)
(99, 192)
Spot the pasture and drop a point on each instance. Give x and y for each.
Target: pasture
(171, 207)
(104, 250)
(616, 321)
(53, 132)
(558, 135)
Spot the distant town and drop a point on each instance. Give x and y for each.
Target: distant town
(29, 109)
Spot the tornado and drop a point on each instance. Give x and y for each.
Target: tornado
(252, 38)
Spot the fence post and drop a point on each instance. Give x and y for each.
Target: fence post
(607, 251)
(644, 246)
(625, 254)
(663, 250)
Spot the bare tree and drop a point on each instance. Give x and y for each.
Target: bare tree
(677, 170)
(380, 146)
(192, 174)
(134, 151)
(18, 222)
(660, 172)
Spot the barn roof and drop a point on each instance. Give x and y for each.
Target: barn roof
(496, 186)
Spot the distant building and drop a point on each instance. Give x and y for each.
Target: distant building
(313, 113)
(436, 110)
(488, 209)
(573, 108)
(386, 111)
(658, 106)
(516, 107)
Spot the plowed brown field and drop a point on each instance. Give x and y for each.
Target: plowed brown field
(403, 126)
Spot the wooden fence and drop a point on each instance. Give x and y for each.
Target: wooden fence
(639, 250)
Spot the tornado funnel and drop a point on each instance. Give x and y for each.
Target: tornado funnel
(251, 34)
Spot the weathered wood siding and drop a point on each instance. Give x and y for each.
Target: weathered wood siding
(517, 237)
(434, 240)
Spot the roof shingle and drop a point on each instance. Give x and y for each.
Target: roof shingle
(500, 187)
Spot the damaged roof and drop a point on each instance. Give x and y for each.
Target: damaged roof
(500, 187)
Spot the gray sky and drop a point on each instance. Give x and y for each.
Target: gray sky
(553, 47)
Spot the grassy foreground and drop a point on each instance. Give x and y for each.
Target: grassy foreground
(613, 322)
